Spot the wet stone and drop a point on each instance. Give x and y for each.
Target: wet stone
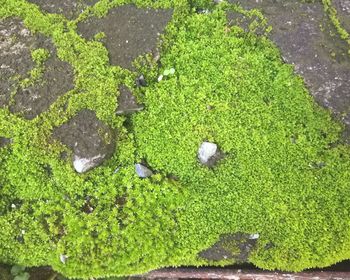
(69, 8)
(127, 103)
(236, 247)
(302, 32)
(91, 140)
(130, 32)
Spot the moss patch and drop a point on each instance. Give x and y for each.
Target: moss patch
(284, 175)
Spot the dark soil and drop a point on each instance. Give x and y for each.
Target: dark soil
(16, 45)
(320, 58)
(130, 32)
(69, 8)
(236, 247)
(86, 136)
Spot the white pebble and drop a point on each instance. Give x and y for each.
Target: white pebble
(206, 151)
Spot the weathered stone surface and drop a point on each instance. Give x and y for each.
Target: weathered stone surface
(302, 32)
(127, 102)
(16, 43)
(90, 140)
(15, 57)
(142, 171)
(236, 246)
(130, 32)
(4, 141)
(69, 8)
(343, 9)
(57, 79)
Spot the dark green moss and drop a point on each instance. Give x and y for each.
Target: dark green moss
(282, 175)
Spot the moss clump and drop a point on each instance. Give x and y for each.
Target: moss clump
(284, 174)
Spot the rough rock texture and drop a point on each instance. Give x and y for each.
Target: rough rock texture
(127, 103)
(15, 57)
(57, 79)
(297, 31)
(130, 32)
(16, 43)
(69, 8)
(90, 140)
(343, 9)
(4, 141)
(236, 246)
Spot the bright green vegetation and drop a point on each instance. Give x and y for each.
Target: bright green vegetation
(285, 174)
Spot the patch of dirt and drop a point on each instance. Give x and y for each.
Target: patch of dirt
(16, 44)
(130, 32)
(87, 136)
(69, 8)
(236, 247)
(302, 32)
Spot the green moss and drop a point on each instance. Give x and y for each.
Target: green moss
(282, 176)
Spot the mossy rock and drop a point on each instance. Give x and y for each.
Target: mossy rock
(285, 173)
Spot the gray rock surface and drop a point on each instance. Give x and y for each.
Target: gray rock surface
(236, 247)
(130, 32)
(302, 32)
(142, 171)
(343, 10)
(16, 43)
(4, 141)
(69, 8)
(90, 140)
(127, 103)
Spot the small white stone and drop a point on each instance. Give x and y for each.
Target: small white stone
(23, 231)
(206, 151)
(63, 258)
(13, 206)
(160, 78)
(142, 171)
(82, 165)
(254, 236)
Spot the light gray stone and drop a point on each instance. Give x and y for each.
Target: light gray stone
(82, 165)
(143, 171)
(206, 151)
